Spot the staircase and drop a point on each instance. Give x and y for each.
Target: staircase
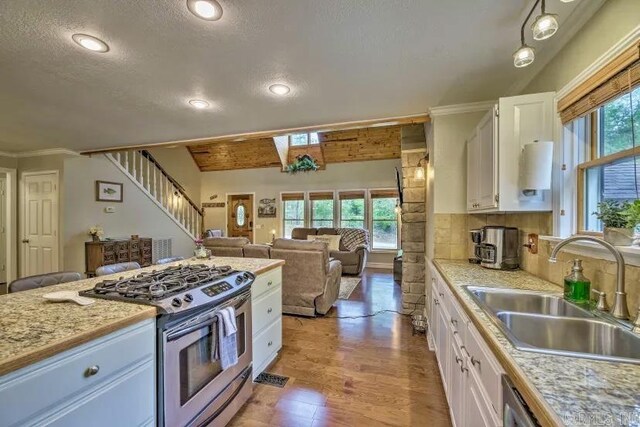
(145, 172)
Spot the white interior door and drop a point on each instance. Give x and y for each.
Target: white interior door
(3, 229)
(40, 224)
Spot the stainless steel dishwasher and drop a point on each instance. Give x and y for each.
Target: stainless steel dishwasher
(516, 413)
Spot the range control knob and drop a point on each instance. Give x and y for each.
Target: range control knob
(188, 298)
(176, 302)
(246, 276)
(239, 280)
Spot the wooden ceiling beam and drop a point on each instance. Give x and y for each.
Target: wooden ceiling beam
(388, 121)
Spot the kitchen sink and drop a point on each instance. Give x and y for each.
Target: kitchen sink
(589, 338)
(497, 300)
(548, 324)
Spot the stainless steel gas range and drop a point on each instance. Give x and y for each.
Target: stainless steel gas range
(193, 389)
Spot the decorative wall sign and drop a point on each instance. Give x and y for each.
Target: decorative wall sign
(267, 208)
(108, 191)
(214, 205)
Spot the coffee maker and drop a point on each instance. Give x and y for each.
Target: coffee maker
(497, 248)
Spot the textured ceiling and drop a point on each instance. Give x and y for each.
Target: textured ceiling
(344, 59)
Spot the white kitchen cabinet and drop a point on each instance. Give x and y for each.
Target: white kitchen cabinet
(108, 381)
(494, 154)
(470, 373)
(266, 319)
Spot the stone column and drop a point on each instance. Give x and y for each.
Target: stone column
(413, 221)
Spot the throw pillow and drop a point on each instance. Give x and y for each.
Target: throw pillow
(333, 241)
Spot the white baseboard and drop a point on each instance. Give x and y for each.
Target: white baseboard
(380, 265)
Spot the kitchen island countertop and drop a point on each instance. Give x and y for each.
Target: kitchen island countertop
(33, 329)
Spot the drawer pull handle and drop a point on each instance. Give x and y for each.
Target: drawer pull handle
(459, 360)
(455, 332)
(270, 282)
(91, 371)
(441, 294)
(269, 310)
(454, 322)
(465, 350)
(474, 361)
(270, 343)
(436, 302)
(463, 369)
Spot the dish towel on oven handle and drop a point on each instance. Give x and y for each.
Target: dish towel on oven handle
(225, 347)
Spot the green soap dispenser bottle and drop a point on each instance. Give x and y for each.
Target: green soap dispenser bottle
(577, 288)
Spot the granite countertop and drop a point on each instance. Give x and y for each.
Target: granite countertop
(573, 391)
(33, 329)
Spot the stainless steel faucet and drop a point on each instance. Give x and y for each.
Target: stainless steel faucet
(619, 309)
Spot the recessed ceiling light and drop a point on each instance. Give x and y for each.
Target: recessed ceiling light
(279, 89)
(199, 104)
(209, 10)
(90, 42)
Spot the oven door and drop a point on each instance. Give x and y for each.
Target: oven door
(193, 383)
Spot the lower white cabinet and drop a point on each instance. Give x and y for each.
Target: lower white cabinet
(106, 382)
(266, 319)
(470, 373)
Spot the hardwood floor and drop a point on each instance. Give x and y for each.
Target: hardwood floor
(352, 372)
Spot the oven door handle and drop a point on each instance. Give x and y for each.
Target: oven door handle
(208, 318)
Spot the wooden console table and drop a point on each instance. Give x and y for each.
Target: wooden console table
(108, 252)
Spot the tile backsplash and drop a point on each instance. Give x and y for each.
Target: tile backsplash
(452, 241)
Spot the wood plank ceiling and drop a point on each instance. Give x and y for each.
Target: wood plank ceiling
(230, 155)
(351, 145)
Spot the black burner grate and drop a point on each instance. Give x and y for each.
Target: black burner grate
(271, 379)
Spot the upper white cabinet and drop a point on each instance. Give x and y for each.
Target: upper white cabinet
(494, 154)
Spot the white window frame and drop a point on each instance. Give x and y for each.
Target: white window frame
(369, 208)
(282, 218)
(366, 206)
(335, 207)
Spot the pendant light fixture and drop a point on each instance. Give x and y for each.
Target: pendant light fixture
(545, 25)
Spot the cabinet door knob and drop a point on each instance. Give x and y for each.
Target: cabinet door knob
(269, 310)
(91, 371)
(475, 361)
(436, 302)
(270, 343)
(454, 322)
(441, 294)
(270, 282)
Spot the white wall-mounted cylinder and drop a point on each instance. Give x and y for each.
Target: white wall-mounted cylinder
(537, 162)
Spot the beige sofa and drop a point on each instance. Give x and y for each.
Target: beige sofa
(310, 279)
(353, 261)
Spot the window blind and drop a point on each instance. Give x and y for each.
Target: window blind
(292, 196)
(321, 195)
(609, 82)
(383, 194)
(349, 195)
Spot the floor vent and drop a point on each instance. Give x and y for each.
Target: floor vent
(272, 379)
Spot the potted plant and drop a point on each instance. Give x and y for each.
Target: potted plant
(616, 229)
(96, 232)
(303, 163)
(632, 215)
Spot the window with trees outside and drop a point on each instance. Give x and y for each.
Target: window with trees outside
(611, 175)
(321, 209)
(292, 212)
(384, 220)
(352, 209)
(304, 139)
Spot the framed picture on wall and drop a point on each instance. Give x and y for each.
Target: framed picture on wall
(108, 191)
(267, 208)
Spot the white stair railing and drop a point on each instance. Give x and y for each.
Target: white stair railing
(145, 172)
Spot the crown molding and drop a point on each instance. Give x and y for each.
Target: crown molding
(623, 44)
(37, 153)
(470, 107)
(568, 29)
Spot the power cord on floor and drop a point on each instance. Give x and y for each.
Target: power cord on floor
(363, 316)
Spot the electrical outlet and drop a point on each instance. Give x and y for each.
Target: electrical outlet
(109, 209)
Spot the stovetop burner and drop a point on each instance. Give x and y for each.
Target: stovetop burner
(175, 288)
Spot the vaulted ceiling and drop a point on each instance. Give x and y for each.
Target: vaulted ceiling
(344, 60)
